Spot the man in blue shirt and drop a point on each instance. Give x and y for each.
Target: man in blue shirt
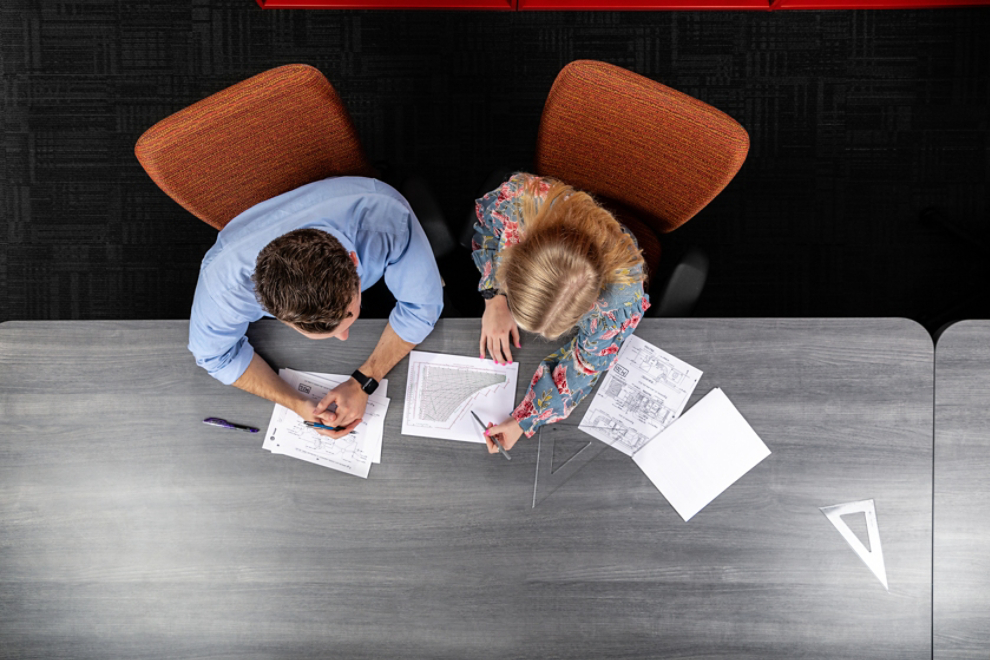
(304, 257)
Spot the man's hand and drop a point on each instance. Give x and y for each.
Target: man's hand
(307, 410)
(351, 401)
(497, 328)
(508, 433)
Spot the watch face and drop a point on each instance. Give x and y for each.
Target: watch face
(368, 384)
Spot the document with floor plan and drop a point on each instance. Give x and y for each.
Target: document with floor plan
(442, 390)
(354, 453)
(644, 391)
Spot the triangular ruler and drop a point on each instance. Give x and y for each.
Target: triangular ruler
(550, 477)
(873, 557)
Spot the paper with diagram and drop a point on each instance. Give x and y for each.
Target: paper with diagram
(701, 454)
(442, 390)
(354, 453)
(644, 391)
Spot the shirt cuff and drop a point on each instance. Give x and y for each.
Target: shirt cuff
(230, 366)
(529, 424)
(412, 322)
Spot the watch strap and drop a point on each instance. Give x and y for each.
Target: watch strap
(367, 383)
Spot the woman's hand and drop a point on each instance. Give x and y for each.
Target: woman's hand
(498, 329)
(508, 432)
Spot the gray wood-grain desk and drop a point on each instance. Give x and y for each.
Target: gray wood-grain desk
(128, 529)
(962, 492)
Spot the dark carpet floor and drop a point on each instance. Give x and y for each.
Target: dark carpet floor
(860, 120)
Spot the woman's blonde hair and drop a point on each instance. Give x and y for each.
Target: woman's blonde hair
(571, 249)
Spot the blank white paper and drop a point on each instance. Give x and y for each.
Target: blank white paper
(701, 454)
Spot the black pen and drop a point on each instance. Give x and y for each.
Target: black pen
(494, 439)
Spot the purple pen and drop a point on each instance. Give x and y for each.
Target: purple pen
(224, 424)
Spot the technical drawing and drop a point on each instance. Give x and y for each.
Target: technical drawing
(644, 405)
(642, 395)
(614, 388)
(445, 389)
(654, 366)
(345, 448)
(354, 453)
(441, 389)
(614, 431)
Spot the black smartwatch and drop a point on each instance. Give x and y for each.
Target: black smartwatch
(488, 294)
(367, 383)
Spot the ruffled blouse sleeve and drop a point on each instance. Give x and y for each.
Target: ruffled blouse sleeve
(499, 225)
(565, 377)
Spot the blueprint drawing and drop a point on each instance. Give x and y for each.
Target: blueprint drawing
(644, 391)
(442, 390)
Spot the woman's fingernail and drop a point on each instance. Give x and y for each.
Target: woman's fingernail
(486, 432)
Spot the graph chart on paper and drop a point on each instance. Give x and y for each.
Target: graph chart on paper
(442, 390)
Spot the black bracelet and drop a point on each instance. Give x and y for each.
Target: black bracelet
(488, 294)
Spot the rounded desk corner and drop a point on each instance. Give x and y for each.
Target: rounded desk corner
(915, 327)
(955, 327)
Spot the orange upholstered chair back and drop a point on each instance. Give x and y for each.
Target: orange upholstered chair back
(618, 135)
(250, 142)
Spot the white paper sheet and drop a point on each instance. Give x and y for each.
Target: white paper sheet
(442, 390)
(701, 454)
(374, 414)
(644, 391)
(353, 454)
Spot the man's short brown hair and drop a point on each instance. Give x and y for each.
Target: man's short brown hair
(307, 279)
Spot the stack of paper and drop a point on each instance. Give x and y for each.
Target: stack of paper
(354, 453)
(701, 454)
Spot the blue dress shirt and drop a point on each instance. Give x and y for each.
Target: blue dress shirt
(367, 216)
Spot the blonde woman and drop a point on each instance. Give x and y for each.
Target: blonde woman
(551, 259)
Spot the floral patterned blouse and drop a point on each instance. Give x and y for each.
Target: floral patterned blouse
(565, 377)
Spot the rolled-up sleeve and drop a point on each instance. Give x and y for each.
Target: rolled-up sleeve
(216, 337)
(414, 279)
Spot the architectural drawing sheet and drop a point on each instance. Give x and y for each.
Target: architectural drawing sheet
(353, 454)
(644, 391)
(442, 390)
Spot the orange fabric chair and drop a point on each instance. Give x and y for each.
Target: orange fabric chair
(250, 142)
(650, 154)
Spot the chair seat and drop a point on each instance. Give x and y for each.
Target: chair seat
(619, 135)
(255, 140)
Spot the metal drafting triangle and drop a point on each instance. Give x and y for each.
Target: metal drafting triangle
(873, 557)
(550, 477)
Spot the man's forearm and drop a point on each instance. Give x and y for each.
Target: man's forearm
(260, 379)
(390, 349)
